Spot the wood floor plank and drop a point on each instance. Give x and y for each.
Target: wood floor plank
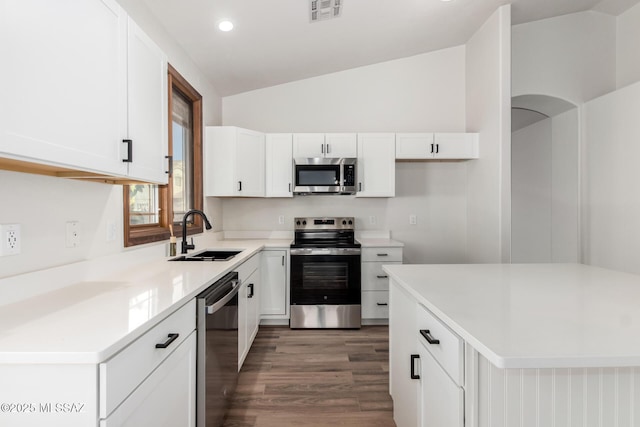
(324, 377)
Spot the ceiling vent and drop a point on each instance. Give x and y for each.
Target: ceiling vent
(321, 10)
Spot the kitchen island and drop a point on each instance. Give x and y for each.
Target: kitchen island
(514, 345)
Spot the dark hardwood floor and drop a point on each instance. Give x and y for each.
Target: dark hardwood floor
(315, 378)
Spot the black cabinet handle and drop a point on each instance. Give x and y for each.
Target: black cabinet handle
(382, 304)
(250, 286)
(169, 171)
(437, 148)
(239, 185)
(322, 148)
(328, 148)
(427, 335)
(359, 186)
(282, 259)
(413, 365)
(383, 254)
(289, 187)
(382, 277)
(129, 143)
(167, 343)
(432, 148)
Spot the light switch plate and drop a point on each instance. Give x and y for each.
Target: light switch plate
(73, 234)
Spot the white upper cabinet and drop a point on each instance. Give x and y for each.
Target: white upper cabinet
(78, 78)
(279, 165)
(234, 162)
(147, 107)
(331, 145)
(413, 145)
(454, 146)
(341, 145)
(376, 166)
(63, 83)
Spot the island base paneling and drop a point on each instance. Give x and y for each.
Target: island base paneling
(567, 397)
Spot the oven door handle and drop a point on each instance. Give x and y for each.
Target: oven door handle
(325, 251)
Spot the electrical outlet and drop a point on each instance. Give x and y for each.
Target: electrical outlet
(372, 219)
(111, 231)
(73, 234)
(10, 234)
(413, 220)
(281, 219)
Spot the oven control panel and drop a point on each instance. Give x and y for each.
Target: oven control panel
(324, 223)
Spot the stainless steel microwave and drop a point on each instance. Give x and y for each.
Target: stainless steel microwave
(324, 176)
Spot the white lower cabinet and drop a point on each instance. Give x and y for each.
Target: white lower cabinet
(441, 400)
(166, 398)
(426, 376)
(375, 282)
(248, 305)
(274, 294)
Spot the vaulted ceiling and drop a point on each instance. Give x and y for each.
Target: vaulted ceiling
(275, 42)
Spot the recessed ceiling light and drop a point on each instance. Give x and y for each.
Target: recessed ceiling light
(225, 26)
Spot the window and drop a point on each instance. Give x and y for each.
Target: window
(150, 211)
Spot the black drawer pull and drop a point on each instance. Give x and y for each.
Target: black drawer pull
(382, 303)
(382, 277)
(427, 335)
(383, 254)
(167, 343)
(250, 286)
(413, 365)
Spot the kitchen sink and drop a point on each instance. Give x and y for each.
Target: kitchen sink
(208, 255)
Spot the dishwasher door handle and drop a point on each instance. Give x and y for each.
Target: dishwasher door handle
(224, 300)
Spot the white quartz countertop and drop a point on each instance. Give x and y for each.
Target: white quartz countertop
(368, 242)
(534, 315)
(89, 321)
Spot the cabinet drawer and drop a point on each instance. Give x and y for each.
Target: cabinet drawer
(121, 374)
(382, 254)
(373, 278)
(449, 351)
(375, 304)
(247, 268)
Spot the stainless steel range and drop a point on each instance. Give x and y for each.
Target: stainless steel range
(325, 274)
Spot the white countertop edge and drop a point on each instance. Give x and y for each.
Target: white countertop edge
(101, 355)
(518, 362)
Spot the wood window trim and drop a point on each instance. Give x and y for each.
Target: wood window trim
(141, 234)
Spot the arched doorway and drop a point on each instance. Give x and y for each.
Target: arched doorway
(544, 180)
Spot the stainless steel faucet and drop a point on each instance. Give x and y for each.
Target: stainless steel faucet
(186, 246)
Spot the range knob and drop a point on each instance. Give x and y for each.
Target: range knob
(297, 222)
(350, 222)
(344, 222)
(304, 222)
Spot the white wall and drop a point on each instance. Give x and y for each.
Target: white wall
(531, 193)
(570, 57)
(420, 93)
(42, 205)
(627, 37)
(611, 216)
(545, 190)
(488, 100)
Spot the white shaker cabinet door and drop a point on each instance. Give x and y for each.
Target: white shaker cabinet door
(442, 401)
(147, 107)
(308, 145)
(341, 145)
(376, 166)
(166, 398)
(279, 165)
(250, 163)
(273, 295)
(455, 146)
(63, 83)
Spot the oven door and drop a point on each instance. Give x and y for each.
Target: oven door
(325, 276)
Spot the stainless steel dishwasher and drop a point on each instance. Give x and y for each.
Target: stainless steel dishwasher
(217, 365)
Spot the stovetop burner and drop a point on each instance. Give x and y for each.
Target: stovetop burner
(325, 232)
